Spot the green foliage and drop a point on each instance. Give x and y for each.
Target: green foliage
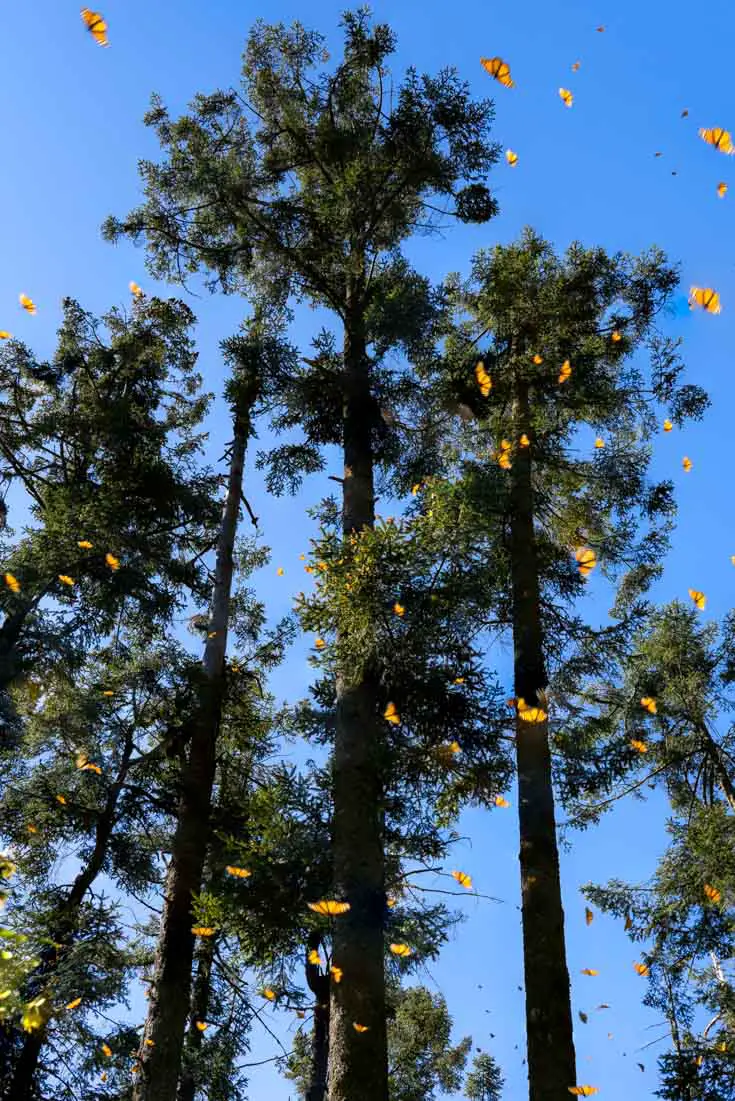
(422, 1061)
(485, 1081)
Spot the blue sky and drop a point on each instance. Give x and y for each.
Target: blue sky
(70, 119)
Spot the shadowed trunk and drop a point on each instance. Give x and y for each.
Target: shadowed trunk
(160, 1062)
(551, 1060)
(199, 1009)
(358, 1061)
(319, 986)
(22, 1086)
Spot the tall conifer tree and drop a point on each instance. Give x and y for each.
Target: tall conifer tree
(541, 358)
(316, 200)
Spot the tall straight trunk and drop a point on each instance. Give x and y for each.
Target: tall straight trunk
(358, 1061)
(199, 1008)
(319, 986)
(22, 1085)
(160, 1061)
(551, 1061)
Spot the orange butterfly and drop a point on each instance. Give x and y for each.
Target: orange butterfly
(28, 305)
(566, 371)
(640, 746)
(588, 916)
(463, 879)
(583, 1091)
(360, 1028)
(722, 189)
(712, 893)
(511, 157)
(96, 26)
(391, 715)
(705, 297)
(686, 462)
(586, 561)
(329, 907)
(641, 969)
(501, 802)
(589, 971)
(483, 379)
(649, 704)
(667, 425)
(566, 97)
(718, 138)
(699, 599)
(529, 714)
(239, 873)
(402, 950)
(135, 290)
(498, 69)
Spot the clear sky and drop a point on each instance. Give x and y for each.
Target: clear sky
(70, 120)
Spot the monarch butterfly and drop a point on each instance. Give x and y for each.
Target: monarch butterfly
(599, 443)
(511, 157)
(538, 360)
(501, 802)
(5, 335)
(391, 714)
(106, 1050)
(712, 893)
(201, 1025)
(641, 969)
(269, 994)
(398, 609)
(566, 371)
(687, 464)
(667, 425)
(336, 973)
(718, 138)
(530, 714)
(203, 931)
(360, 1028)
(73, 1004)
(566, 97)
(112, 562)
(699, 598)
(586, 561)
(722, 189)
(319, 643)
(401, 950)
(524, 441)
(65, 579)
(96, 26)
(583, 1091)
(589, 917)
(499, 69)
(27, 303)
(616, 337)
(463, 879)
(649, 704)
(705, 297)
(483, 379)
(12, 582)
(640, 746)
(239, 873)
(589, 971)
(575, 66)
(329, 907)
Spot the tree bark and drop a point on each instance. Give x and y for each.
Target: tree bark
(22, 1086)
(199, 1009)
(319, 986)
(160, 1061)
(358, 1069)
(551, 1059)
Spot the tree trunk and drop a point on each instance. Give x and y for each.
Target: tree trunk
(358, 1069)
(160, 1062)
(319, 986)
(551, 1060)
(199, 1010)
(22, 1085)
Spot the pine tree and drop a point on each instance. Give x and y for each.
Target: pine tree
(540, 357)
(316, 202)
(686, 667)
